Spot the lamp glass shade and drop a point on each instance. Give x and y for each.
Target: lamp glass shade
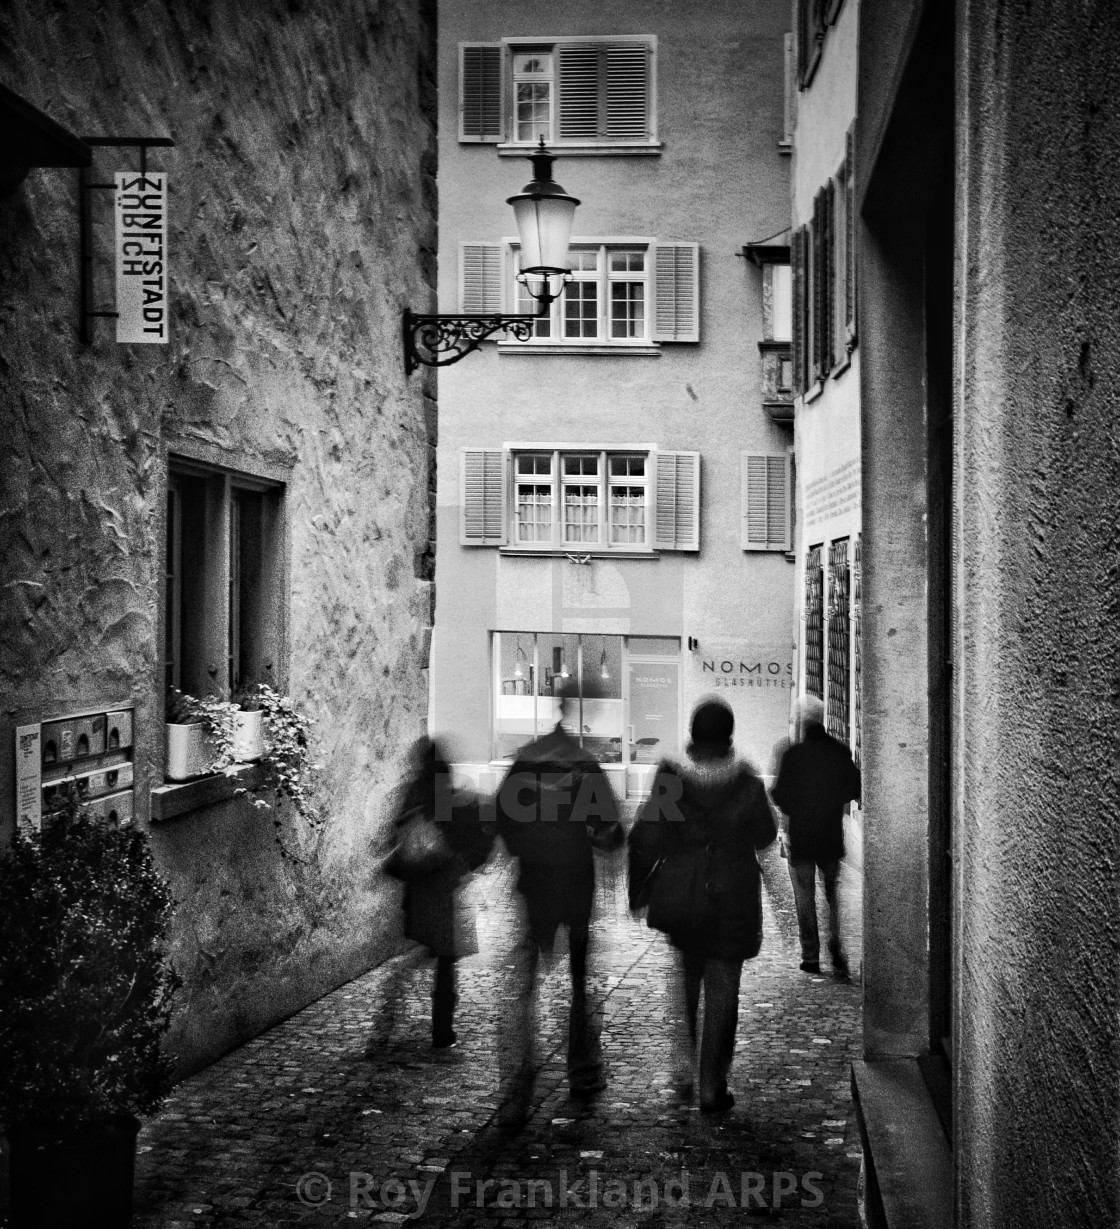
(544, 225)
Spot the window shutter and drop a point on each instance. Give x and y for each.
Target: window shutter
(627, 91)
(481, 271)
(678, 501)
(850, 252)
(797, 345)
(766, 501)
(676, 276)
(480, 92)
(482, 497)
(816, 268)
(829, 287)
(578, 94)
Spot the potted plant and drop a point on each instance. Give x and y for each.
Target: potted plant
(248, 726)
(287, 760)
(86, 1002)
(200, 735)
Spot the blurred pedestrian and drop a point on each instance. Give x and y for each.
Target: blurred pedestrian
(554, 807)
(693, 863)
(438, 838)
(816, 780)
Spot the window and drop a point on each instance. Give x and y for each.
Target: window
(575, 500)
(823, 289)
(814, 623)
(222, 580)
(623, 294)
(839, 641)
(767, 506)
(627, 693)
(594, 93)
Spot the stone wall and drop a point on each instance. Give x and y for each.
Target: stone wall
(302, 221)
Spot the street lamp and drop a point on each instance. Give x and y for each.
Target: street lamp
(543, 212)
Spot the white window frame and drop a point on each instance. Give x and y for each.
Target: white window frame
(603, 145)
(603, 277)
(604, 482)
(518, 78)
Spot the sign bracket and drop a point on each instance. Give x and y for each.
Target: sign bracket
(85, 222)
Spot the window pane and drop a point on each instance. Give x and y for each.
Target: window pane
(653, 646)
(783, 303)
(627, 262)
(581, 310)
(585, 260)
(528, 63)
(581, 513)
(628, 309)
(534, 512)
(579, 465)
(534, 463)
(628, 467)
(528, 306)
(628, 514)
(533, 110)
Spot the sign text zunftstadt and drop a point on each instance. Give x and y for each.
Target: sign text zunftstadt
(140, 207)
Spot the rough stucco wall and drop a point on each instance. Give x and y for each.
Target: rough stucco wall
(1038, 1109)
(302, 219)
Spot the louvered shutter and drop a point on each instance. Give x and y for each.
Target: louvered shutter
(850, 253)
(816, 270)
(678, 501)
(481, 272)
(828, 246)
(627, 91)
(482, 497)
(578, 94)
(766, 501)
(480, 92)
(676, 292)
(797, 256)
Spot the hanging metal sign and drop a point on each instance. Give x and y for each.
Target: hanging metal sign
(140, 206)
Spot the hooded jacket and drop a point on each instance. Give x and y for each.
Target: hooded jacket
(717, 806)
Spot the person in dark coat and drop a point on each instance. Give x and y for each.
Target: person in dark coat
(433, 915)
(554, 807)
(694, 842)
(816, 780)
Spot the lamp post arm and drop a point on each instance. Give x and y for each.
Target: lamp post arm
(439, 341)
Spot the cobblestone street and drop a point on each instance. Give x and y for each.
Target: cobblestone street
(344, 1113)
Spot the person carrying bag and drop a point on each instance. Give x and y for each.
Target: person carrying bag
(693, 867)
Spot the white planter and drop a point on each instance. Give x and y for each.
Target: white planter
(189, 752)
(248, 736)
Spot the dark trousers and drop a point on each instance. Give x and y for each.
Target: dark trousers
(719, 980)
(516, 1056)
(444, 999)
(803, 875)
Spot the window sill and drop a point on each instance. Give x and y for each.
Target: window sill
(585, 149)
(840, 367)
(182, 797)
(557, 348)
(557, 552)
(813, 392)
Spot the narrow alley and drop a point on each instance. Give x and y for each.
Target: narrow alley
(344, 1113)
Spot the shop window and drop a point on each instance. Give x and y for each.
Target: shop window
(839, 641)
(580, 500)
(591, 93)
(222, 580)
(625, 693)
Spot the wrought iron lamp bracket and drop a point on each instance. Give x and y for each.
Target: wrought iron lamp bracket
(439, 341)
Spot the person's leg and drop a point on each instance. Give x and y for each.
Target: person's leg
(830, 873)
(803, 876)
(515, 1030)
(684, 990)
(717, 1045)
(585, 1057)
(443, 1003)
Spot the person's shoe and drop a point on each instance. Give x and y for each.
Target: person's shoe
(810, 966)
(720, 1105)
(684, 1092)
(445, 1042)
(840, 968)
(588, 1091)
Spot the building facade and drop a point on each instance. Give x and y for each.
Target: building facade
(988, 280)
(614, 492)
(247, 502)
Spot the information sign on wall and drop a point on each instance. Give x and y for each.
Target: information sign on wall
(140, 206)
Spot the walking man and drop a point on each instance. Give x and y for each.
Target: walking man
(817, 778)
(554, 806)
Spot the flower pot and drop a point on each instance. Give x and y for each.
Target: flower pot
(248, 736)
(189, 752)
(85, 1178)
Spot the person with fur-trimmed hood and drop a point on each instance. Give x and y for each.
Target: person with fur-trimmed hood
(693, 865)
